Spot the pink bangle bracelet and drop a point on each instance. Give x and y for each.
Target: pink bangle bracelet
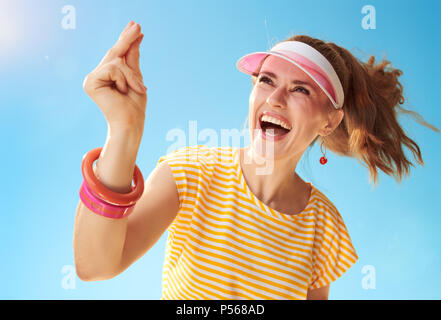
(98, 206)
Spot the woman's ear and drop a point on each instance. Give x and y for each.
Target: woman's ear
(253, 79)
(334, 119)
(338, 117)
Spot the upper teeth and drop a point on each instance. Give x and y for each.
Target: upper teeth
(276, 121)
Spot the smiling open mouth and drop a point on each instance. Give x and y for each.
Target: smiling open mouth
(272, 127)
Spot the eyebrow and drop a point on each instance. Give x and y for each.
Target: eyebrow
(269, 73)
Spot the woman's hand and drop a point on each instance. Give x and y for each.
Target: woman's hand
(116, 84)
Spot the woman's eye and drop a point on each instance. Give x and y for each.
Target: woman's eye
(264, 79)
(304, 90)
(268, 80)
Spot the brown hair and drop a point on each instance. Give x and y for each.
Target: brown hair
(369, 131)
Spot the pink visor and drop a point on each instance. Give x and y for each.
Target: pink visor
(308, 59)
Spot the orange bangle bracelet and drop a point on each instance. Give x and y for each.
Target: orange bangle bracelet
(121, 199)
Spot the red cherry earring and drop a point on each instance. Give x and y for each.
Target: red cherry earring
(323, 159)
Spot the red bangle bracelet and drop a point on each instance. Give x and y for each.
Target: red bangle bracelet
(121, 199)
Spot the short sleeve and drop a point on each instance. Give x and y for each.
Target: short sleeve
(333, 252)
(185, 167)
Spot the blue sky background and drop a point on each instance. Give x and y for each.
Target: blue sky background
(188, 58)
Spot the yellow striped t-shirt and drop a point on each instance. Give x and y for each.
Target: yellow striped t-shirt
(226, 244)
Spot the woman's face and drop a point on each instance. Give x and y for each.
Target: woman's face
(284, 91)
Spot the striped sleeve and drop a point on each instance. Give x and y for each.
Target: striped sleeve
(186, 172)
(333, 252)
(185, 168)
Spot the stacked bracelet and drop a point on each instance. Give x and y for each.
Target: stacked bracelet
(95, 204)
(100, 199)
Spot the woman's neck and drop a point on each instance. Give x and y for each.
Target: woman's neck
(275, 181)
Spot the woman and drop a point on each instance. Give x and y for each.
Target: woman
(242, 224)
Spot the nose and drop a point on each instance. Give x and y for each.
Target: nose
(277, 98)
